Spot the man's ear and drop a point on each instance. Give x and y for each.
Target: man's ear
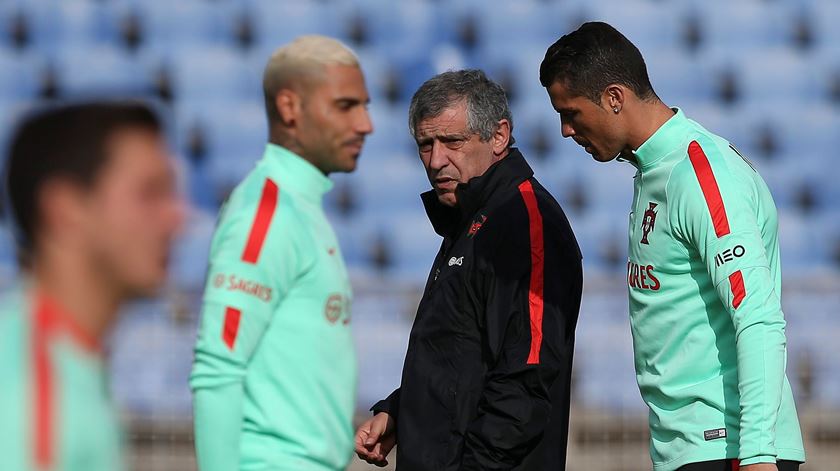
(614, 97)
(501, 137)
(288, 105)
(62, 207)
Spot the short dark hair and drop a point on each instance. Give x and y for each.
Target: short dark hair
(593, 57)
(65, 141)
(486, 101)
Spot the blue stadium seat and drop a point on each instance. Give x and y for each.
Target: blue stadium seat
(604, 356)
(167, 24)
(84, 69)
(650, 25)
(151, 359)
(778, 74)
(609, 187)
(393, 184)
(825, 16)
(381, 326)
(678, 77)
(415, 244)
(508, 23)
(391, 137)
(188, 268)
(744, 26)
(278, 23)
(203, 73)
(52, 24)
(20, 74)
(237, 134)
(413, 25)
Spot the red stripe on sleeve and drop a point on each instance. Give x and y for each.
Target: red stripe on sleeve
(231, 326)
(44, 389)
(711, 191)
(262, 221)
(736, 283)
(736, 465)
(535, 293)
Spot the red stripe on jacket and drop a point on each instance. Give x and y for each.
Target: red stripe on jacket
(262, 221)
(711, 191)
(535, 292)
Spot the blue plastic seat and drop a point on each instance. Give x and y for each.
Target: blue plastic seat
(20, 74)
(745, 25)
(84, 69)
(651, 26)
(277, 23)
(209, 73)
(185, 22)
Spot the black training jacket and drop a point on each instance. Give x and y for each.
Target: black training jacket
(485, 383)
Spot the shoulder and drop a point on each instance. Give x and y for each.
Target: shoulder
(526, 217)
(259, 212)
(13, 306)
(709, 165)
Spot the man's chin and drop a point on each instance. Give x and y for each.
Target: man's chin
(448, 199)
(348, 165)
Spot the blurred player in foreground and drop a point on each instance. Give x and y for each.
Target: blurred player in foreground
(703, 274)
(486, 378)
(93, 197)
(274, 378)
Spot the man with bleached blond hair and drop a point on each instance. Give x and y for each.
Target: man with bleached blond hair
(274, 377)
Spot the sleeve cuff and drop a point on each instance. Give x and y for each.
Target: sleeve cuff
(381, 406)
(758, 459)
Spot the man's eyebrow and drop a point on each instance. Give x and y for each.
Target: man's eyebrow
(351, 101)
(442, 137)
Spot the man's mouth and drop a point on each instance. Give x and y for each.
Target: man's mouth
(446, 183)
(355, 144)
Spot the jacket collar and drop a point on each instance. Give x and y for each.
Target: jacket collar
(476, 193)
(668, 137)
(296, 173)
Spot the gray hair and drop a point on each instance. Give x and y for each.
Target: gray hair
(486, 101)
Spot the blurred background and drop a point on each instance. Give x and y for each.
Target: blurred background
(763, 73)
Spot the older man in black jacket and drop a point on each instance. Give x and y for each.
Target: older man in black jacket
(485, 384)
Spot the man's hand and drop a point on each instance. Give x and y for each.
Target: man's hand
(375, 439)
(760, 467)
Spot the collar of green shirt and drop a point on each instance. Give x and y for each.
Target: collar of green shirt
(668, 137)
(295, 173)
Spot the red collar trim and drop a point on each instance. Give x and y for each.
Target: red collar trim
(53, 318)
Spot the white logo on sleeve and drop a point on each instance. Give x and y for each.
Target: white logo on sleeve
(456, 261)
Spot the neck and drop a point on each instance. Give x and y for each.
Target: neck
(649, 118)
(83, 293)
(283, 139)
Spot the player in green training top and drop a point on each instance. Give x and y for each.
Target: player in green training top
(92, 195)
(703, 269)
(274, 378)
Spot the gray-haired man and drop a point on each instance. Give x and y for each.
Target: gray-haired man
(486, 378)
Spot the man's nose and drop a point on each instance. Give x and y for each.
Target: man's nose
(438, 156)
(364, 125)
(566, 129)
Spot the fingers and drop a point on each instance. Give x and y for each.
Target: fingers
(361, 438)
(377, 428)
(371, 444)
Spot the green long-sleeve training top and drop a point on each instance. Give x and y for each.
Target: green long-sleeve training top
(705, 303)
(274, 378)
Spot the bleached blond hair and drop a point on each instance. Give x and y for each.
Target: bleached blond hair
(296, 64)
